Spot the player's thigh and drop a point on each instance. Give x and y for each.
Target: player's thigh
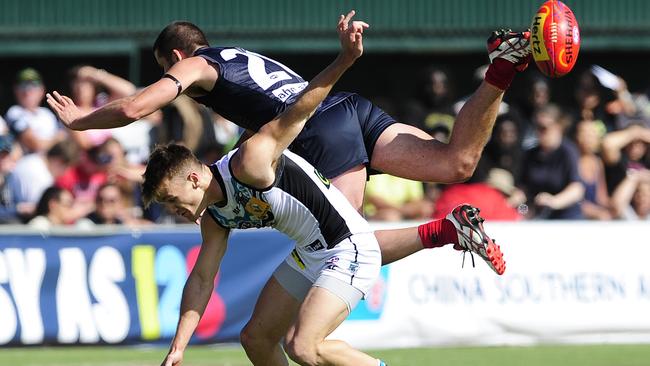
(275, 311)
(352, 184)
(408, 152)
(320, 313)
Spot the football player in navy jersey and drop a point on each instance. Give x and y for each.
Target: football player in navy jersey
(346, 134)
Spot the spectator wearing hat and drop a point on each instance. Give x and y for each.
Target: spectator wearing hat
(34, 127)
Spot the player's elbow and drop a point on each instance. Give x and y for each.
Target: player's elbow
(132, 111)
(463, 168)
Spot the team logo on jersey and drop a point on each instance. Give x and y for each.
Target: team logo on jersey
(322, 178)
(257, 208)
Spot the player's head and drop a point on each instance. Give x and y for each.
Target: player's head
(174, 178)
(177, 41)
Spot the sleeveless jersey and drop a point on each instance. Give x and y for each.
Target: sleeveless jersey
(252, 89)
(301, 203)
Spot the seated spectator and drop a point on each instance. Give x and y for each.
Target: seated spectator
(592, 100)
(492, 190)
(624, 150)
(124, 174)
(631, 199)
(588, 138)
(34, 172)
(110, 208)
(504, 150)
(84, 178)
(389, 198)
(550, 175)
(191, 124)
(9, 210)
(434, 100)
(85, 84)
(34, 127)
(135, 138)
(53, 209)
(537, 95)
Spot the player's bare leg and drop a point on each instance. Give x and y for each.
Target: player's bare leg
(275, 311)
(396, 244)
(319, 315)
(352, 184)
(409, 152)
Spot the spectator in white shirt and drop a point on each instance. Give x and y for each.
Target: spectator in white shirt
(34, 127)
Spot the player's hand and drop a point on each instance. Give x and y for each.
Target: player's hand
(64, 108)
(174, 358)
(351, 36)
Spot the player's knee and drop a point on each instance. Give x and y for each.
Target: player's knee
(253, 338)
(301, 351)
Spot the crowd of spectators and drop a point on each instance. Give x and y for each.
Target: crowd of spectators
(583, 159)
(52, 176)
(587, 159)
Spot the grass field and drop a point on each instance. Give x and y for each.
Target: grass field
(601, 355)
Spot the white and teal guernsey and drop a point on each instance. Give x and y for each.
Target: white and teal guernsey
(301, 203)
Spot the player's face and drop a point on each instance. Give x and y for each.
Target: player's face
(182, 197)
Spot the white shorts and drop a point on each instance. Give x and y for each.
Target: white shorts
(348, 270)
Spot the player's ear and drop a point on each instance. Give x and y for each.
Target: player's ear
(193, 177)
(177, 55)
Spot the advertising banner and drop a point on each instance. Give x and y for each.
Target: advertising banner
(572, 282)
(125, 287)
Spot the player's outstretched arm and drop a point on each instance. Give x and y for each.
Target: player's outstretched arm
(125, 110)
(257, 155)
(198, 288)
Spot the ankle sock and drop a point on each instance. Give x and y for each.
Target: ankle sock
(437, 233)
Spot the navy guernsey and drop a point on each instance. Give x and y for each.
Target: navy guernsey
(252, 89)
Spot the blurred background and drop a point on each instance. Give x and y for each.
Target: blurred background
(563, 182)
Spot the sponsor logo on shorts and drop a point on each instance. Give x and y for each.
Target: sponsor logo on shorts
(296, 257)
(315, 246)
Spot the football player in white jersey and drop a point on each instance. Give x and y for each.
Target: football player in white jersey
(242, 192)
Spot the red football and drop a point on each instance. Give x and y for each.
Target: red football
(555, 39)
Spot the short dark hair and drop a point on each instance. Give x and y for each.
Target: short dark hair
(179, 35)
(52, 193)
(64, 150)
(165, 161)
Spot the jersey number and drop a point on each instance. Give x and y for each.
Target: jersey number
(257, 68)
(265, 80)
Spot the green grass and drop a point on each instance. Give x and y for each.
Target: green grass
(600, 355)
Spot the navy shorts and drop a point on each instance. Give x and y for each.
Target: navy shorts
(342, 135)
